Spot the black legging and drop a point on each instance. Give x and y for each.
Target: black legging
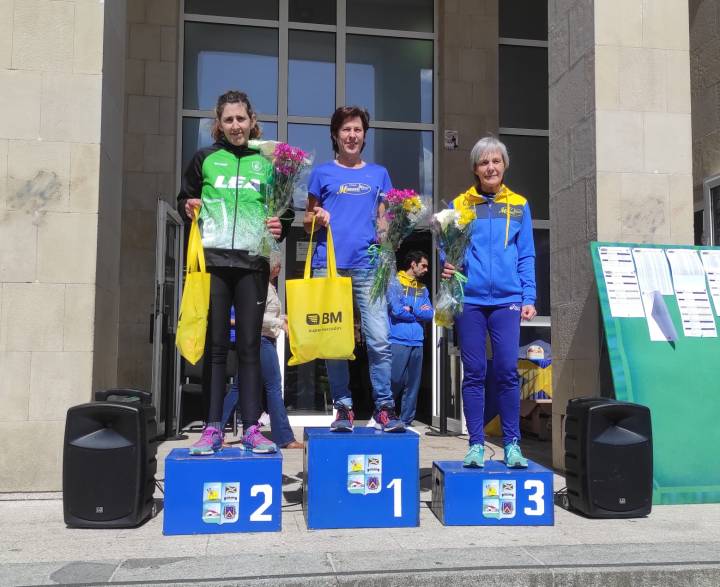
(247, 291)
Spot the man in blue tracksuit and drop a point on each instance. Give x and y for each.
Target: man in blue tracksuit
(408, 307)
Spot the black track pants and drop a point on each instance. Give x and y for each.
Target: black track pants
(247, 291)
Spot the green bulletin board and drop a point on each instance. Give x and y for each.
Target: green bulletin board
(680, 382)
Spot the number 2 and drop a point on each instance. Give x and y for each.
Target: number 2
(536, 498)
(258, 515)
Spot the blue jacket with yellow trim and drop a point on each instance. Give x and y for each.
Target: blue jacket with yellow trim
(406, 327)
(500, 258)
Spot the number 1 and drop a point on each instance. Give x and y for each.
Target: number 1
(396, 486)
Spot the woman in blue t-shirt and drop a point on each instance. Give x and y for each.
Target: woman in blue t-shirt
(350, 191)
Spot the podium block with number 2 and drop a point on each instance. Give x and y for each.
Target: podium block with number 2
(492, 496)
(361, 479)
(230, 491)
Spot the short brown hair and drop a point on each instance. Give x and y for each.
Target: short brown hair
(233, 97)
(341, 115)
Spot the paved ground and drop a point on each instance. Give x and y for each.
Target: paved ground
(674, 546)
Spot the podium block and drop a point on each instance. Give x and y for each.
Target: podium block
(492, 496)
(361, 479)
(230, 491)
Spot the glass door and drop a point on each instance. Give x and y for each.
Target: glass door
(168, 285)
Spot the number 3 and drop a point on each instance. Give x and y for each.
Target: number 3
(536, 498)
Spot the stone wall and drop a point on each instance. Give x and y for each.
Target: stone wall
(57, 155)
(705, 83)
(149, 172)
(620, 160)
(468, 78)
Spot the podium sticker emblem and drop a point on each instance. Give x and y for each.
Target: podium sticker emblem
(220, 502)
(364, 474)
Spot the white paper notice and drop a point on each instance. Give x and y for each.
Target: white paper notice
(659, 321)
(711, 263)
(692, 296)
(622, 282)
(653, 271)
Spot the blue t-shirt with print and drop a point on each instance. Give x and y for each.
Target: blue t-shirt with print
(352, 197)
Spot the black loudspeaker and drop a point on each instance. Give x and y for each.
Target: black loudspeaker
(109, 461)
(608, 458)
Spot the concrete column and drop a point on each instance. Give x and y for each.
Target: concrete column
(620, 160)
(468, 90)
(60, 159)
(149, 173)
(705, 83)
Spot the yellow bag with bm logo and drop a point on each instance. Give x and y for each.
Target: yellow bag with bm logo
(320, 312)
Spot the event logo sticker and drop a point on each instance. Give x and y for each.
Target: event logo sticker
(220, 503)
(364, 474)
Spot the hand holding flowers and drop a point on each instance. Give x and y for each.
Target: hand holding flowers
(397, 218)
(452, 228)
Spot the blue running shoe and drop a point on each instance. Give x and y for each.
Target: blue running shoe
(210, 442)
(387, 421)
(343, 419)
(475, 457)
(513, 457)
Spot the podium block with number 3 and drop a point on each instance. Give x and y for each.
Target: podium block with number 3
(230, 491)
(492, 496)
(361, 479)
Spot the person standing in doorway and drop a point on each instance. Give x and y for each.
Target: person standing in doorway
(409, 308)
(350, 190)
(227, 183)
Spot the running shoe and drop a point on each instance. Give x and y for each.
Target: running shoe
(254, 441)
(210, 442)
(475, 457)
(387, 421)
(343, 419)
(513, 457)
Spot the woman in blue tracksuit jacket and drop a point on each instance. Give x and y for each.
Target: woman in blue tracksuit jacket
(499, 293)
(408, 307)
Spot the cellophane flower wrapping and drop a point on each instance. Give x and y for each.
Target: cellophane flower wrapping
(452, 229)
(401, 212)
(290, 172)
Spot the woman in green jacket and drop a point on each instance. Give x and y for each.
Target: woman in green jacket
(228, 182)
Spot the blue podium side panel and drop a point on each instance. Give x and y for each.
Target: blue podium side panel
(362, 479)
(230, 491)
(492, 496)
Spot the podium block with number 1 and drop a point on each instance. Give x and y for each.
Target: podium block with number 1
(361, 479)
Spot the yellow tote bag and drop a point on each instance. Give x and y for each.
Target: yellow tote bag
(320, 312)
(192, 325)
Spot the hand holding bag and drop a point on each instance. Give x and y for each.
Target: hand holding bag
(192, 324)
(320, 312)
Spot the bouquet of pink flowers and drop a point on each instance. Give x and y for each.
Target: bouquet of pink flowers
(291, 166)
(452, 228)
(397, 218)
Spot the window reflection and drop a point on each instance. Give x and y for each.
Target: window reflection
(219, 57)
(315, 11)
(392, 78)
(314, 138)
(529, 172)
(407, 15)
(311, 75)
(197, 133)
(523, 87)
(267, 9)
(407, 154)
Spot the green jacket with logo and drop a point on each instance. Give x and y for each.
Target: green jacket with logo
(232, 183)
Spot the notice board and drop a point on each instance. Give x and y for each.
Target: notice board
(679, 380)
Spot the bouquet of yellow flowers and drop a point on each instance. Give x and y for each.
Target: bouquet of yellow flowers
(399, 215)
(452, 228)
